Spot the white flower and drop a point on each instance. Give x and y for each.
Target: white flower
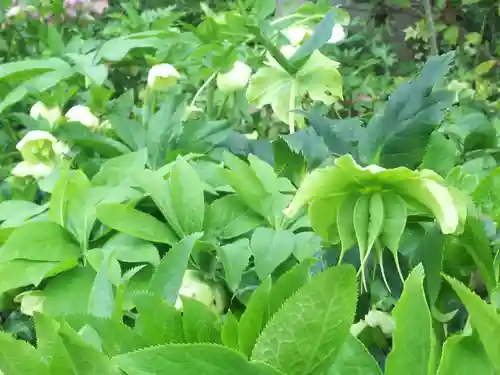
(193, 286)
(82, 114)
(235, 79)
(14, 11)
(41, 152)
(162, 76)
(40, 110)
(288, 51)
(297, 34)
(338, 34)
(381, 319)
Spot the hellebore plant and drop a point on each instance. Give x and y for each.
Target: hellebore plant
(40, 110)
(41, 152)
(83, 115)
(369, 205)
(235, 79)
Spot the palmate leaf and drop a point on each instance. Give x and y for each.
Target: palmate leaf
(399, 136)
(306, 334)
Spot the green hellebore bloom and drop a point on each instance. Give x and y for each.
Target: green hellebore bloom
(194, 286)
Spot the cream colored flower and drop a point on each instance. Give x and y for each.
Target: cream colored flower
(162, 76)
(41, 152)
(31, 301)
(297, 34)
(235, 79)
(40, 110)
(193, 286)
(338, 34)
(381, 319)
(83, 115)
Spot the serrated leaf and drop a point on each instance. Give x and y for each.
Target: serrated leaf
(167, 279)
(270, 248)
(441, 154)
(20, 358)
(354, 359)
(134, 223)
(484, 319)
(102, 298)
(235, 257)
(188, 359)
(464, 355)
(159, 322)
(306, 334)
(412, 350)
(345, 223)
(229, 333)
(199, 322)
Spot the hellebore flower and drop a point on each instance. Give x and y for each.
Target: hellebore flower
(162, 76)
(235, 79)
(193, 286)
(41, 152)
(338, 34)
(83, 115)
(40, 110)
(297, 34)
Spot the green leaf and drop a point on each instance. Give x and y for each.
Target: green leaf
(395, 216)
(133, 250)
(55, 40)
(265, 174)
(167, 279)
(16, 212)
(199, 322)
(368, 221)
(354, 359)
(264, 8)
(188, 359)
(134, 223)
(307, 244)
(227, 218)
(441, 154)
(101, 299)
(323, 217)
(484, 319)
(270, 248)
(116, 49)
(464, 355)
(20, 358)
(186, 192)
(306, 334)
(27, 68)
(235, 257)
(229, 333)
(399, 136)
(120, 170)
(40, 241)
(159, 322)
(412, 350)
(485, 67)
(254, 317)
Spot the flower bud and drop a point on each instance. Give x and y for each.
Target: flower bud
(338, 34)
(162, 76)
(83, 115)
(40, 110)
(193, 286)
(235, 79)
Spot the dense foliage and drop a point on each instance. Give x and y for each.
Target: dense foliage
(248, 187)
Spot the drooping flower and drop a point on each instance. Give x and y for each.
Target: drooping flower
(338, 34)
(41, 152)
(83, 115)
(40, 110)
(235, 79)
(162, 76)
(193, 286)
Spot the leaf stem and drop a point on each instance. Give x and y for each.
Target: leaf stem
(203, 87)
(432, 27)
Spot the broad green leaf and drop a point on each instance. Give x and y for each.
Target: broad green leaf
(227, 218)
(323, 216)
(159, 322)
(133, 250)
(28, 68)
(485, 67)
(270, 248)
(441, 154)
(102, 298)
(188, 359)
(40, 241)
(15, 212)
(167, 279)
(354, 359)
(307, 244)
(464, 355)
(235, 257)
(265, 174)
(412, 350)
(120, 170)
(135, 223)
(484, 319)
(116, 49)
(395, 215)
(254, 317)
(186, 192)
(306, 334)
(345, 223)
(264, 8)
(199, 322)
(229, 332)
(20, 358)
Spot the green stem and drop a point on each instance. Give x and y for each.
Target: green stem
(203, 87)
(291, 114)
(210, 100)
